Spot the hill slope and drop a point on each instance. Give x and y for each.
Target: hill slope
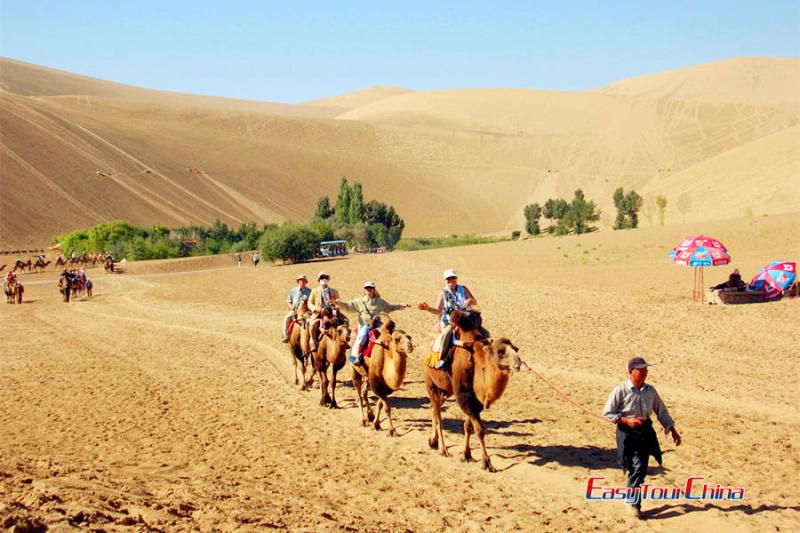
(449, 161)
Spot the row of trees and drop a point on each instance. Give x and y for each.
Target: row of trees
(364, 225)
(575, 216)
(160, 242)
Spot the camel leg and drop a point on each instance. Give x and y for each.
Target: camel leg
(480, 429)
(324, 398)
(392, 430)
(467, 455)
(357, 383)
(370, 414)
(437, 439)
(333, 404)
(294, 362)
(376, 424)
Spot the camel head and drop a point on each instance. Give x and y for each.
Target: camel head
(388, 327)
(343, 335)
(507, 355)
(402, 341)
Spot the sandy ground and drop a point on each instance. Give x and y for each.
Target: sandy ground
(166, 402)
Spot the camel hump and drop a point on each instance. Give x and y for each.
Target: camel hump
(388, 326)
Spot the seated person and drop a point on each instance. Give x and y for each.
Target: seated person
(734, 283)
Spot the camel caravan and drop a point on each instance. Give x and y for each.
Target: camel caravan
(73, 282)
(464, 361)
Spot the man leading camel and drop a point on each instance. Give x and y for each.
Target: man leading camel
(296, 295)
(320, 297)
(629, 406)
(368, 308)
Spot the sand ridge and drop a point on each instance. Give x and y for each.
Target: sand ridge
(471, 159)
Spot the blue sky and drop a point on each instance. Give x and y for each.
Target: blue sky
(293, 51)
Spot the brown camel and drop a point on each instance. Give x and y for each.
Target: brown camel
(3, 267)
(331, 352)
(479, 375)
(14, 292)
(40, 263)
(21, 265)
(299, 345)
(386, 369)
(60, 262)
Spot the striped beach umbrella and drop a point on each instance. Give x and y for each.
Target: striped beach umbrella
(698, 252)
(775, 278)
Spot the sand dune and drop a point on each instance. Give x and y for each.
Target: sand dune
(27, 79)
(755, 81)
(345, 102)
(449, 161)
(160, 405)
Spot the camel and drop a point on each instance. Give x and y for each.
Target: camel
(41, 263)
(3, 267)
(299, 345)
(384, 371)
(60, 262)
(108, 264)
(21, 265)
(14, 292)
(331, 352)
(480, 371)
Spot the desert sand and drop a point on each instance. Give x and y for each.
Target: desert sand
(719, 141)
(166, 403)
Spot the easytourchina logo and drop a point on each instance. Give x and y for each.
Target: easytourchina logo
(695, 488)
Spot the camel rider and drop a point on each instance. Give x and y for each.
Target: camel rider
(368, 308)
(11, 277)
(322, 296)
(453, 297)
(296, 296)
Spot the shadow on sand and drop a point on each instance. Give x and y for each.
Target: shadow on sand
(671, 511)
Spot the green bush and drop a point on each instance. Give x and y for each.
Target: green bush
(290, 242)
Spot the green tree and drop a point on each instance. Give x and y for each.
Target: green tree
(289, 242)
(661, 202)
(632, 205)
(342, 208)
(580, 213)
(324, 210)
(533, 213)
(357, 213)
(628, 206)
(619, 200)
(549, 212)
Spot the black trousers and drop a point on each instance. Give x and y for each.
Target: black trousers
(634, 448)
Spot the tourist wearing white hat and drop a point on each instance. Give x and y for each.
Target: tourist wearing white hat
(453, 297)
(296, 296)
(321, 297)
(368, 308)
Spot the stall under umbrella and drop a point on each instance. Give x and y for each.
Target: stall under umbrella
(699, 252)
(775, 278)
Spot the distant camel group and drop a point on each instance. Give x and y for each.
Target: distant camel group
(477, 376)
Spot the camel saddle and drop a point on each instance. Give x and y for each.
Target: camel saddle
(372, 337)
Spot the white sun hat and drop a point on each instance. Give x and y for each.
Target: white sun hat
(369, 285)
(449, 273)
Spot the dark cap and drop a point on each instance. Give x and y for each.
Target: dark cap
(637, 362)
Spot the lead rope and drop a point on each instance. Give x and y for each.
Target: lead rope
(563, 395)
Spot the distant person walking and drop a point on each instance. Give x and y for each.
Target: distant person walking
(238, 260)
(256, 259)
(629, 406)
